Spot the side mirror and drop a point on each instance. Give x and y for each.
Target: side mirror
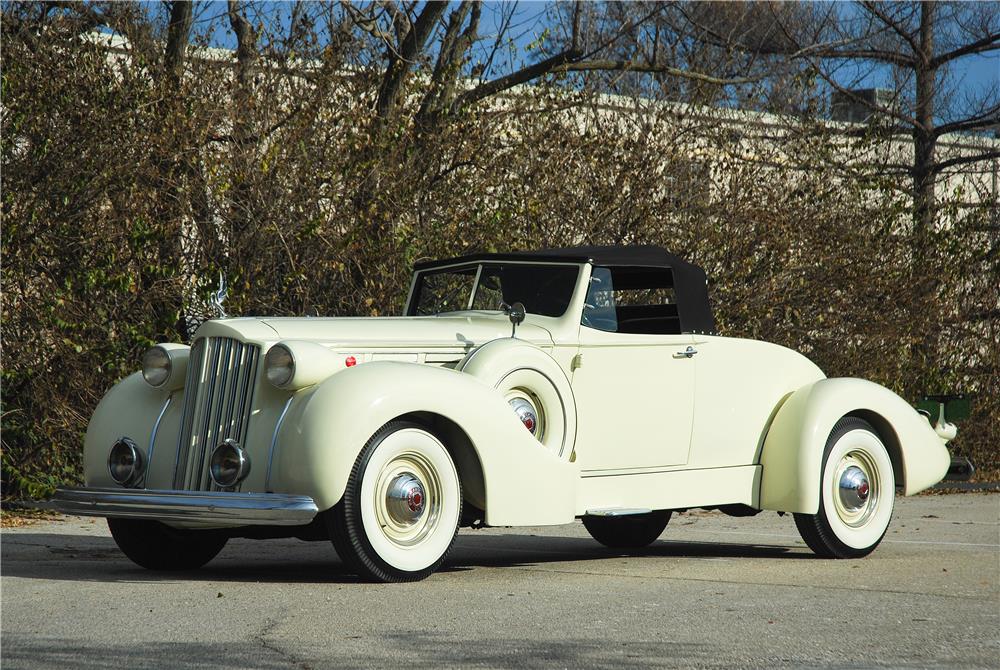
(515, 313)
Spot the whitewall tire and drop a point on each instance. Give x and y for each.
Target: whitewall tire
(857, 489)
(400, 512)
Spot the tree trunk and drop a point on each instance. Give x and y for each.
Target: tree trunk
(924, 173)
(924, 138)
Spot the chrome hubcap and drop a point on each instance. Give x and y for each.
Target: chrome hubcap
(526, 413)
(407, 499)
(856, 488)
(404, 501)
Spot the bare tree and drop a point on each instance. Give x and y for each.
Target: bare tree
(914, 46)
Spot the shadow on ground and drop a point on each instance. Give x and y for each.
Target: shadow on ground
(46, 555)
(421, 648)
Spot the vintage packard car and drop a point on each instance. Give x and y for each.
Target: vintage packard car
(529, 388)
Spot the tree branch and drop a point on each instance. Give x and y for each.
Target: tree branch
(990, 42)
(991, 117)
(178, 33)
(964, 160)
(246, 38)
(513, 79)
(402, 60)
(875, 9)
(451, 56)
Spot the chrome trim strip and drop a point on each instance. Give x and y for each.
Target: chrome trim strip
(475, 286)
(196, 362)
(152, 439)
(209, 507)
(274, 442)
(194, 474)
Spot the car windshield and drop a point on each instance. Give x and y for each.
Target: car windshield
(543, 289)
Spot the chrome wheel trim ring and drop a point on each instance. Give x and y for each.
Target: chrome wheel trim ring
(856, 488)
(406, 473)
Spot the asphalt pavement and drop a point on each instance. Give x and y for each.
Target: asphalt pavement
(714, 591)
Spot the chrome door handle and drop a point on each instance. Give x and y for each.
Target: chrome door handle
(687, 353)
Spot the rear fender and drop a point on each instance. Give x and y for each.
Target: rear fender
(792, 457)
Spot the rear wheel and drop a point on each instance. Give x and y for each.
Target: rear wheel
(156, 546)
(399, 515)
(627, 532)
(857, 489)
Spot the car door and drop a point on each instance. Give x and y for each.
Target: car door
(634, 390)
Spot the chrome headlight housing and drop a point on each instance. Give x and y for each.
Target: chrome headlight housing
(125, 462)
(291, 365)
(164, 366)
(279, 364)
(156, 366)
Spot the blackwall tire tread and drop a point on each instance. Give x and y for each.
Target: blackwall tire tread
(155, 546)
(627, 532)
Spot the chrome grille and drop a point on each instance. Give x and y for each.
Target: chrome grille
(218, 401)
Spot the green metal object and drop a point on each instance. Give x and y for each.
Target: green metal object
(956, 407)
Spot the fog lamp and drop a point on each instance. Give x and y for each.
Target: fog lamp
(230, 464)
(125, 462)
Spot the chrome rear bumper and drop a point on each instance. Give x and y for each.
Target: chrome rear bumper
(202, 507)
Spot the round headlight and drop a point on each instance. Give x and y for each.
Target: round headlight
(279, 365)
(156, 366)
(229, 464)
(125, 462)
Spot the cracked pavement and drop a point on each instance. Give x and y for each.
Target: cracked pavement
(714, 591)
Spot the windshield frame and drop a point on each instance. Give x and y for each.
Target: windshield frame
(411, 302)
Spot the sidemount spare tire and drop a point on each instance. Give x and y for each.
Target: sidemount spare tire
(522, 371)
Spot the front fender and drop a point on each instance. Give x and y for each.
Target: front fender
(327, 426)
(129, 409)
(792, 457)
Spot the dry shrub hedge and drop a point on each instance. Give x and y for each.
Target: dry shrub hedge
(125, 193)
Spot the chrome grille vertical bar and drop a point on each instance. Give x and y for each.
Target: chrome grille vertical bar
(234, 387)
(246, 401)
(227, 403)
(206, 395)
(191, 386)
(208, 399)
(246, 398)
(227, 373)
(218, 405)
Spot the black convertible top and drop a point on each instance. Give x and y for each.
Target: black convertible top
(690, 282)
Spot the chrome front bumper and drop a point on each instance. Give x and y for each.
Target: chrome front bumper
(201, 507)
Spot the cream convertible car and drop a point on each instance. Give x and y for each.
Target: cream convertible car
(520, 389)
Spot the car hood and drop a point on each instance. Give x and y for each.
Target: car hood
(458, 332)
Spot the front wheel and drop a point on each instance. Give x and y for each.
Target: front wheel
(399, 515)
(627, 532)
(856, 494)
(156, 546)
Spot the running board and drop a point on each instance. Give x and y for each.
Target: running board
(617, 511)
